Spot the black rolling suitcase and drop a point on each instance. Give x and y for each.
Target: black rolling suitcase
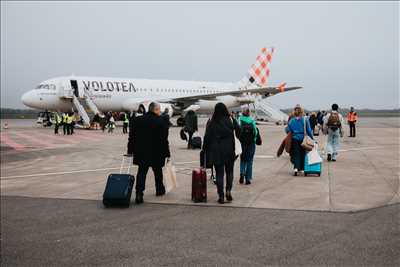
(119, 187)
(196, 142)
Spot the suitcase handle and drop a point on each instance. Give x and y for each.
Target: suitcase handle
(123, 163)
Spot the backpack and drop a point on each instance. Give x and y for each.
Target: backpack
(334, 121)
(246, 133)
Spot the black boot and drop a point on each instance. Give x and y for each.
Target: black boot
(139, 198)
(329, 157)
(221, 200)
(229, 196)
(241, 179)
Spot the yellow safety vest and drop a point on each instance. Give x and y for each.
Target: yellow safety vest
(65, 118)
(58, 119)
(69, 119)
(126, 119)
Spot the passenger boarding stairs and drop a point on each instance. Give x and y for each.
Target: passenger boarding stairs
(268, 112)
(81, 104)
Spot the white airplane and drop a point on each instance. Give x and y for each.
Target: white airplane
(64, 94)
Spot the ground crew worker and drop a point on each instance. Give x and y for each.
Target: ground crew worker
(65, 123)
(125, 124)
(70, 119)
(58, 122)
(352, 119)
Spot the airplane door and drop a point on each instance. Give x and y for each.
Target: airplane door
(74, 87)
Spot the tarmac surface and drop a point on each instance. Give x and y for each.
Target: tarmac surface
(51, 187)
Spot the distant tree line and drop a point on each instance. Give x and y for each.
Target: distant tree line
(10, 113)
(361, 112)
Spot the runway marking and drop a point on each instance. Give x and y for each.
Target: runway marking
(34, 139)
(58, 138)
(9, 142)
(57, 173)
(360, 148)
(77, 171)
(264, 156)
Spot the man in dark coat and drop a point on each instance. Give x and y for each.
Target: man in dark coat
(191, 125)
(150, 149)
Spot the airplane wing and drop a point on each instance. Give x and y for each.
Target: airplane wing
(260, 90)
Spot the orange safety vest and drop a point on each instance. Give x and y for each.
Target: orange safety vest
(352, 116)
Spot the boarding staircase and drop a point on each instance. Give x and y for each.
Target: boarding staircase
(79, 105)
(268, 112)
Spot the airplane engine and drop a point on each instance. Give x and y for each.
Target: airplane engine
(133, 105)
(208, 105)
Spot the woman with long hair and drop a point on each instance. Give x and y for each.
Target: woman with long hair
(296, 127)
(219, 148)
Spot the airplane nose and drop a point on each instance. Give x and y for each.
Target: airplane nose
(28, 99)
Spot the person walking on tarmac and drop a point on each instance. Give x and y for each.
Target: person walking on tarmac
(70, 120)
(296, 128)
(191, 125)
(65, 123)
(150, 149)
(58, 122)
(125, 123)
(248, 137)
(219, 148)
(333, 128)
(352, 119)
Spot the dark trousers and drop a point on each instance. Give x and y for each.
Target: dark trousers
(297, 155)
(125, 128)
(190, 139)
(352, 125)
(141, 178)
(219, 173)
(56, 128)
(65, 128)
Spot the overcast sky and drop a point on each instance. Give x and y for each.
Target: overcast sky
(339, 52)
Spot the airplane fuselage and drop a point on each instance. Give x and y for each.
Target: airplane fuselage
(114, 94)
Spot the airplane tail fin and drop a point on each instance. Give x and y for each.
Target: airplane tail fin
(259, 72)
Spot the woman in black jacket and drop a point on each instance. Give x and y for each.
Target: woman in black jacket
(219, 147)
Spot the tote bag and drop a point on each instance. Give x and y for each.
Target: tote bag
(308, 142)
(169, 174)
(238, 145)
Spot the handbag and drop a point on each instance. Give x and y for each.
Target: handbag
(238, 145)
(258, 138)
(308, 142)
(313, 156)
(169, 174)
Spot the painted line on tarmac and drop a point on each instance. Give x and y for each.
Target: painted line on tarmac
(360, 148)
(77, 171)
(56, 173)
(6, 139)
(264, 157)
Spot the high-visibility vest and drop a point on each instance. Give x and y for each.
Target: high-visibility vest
(58, 119)
(126, 120)
(65, 118)
(352, 116)
(69, 119)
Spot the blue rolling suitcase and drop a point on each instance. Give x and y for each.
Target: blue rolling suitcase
(119, 187)
(311, 169)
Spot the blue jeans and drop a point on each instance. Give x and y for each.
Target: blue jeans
(246, 169)
(333, 142)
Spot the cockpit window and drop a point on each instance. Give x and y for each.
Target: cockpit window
(46, 86)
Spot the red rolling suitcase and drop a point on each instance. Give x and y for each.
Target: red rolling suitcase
(199, 185)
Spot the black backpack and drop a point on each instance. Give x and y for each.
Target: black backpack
(246, 133)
